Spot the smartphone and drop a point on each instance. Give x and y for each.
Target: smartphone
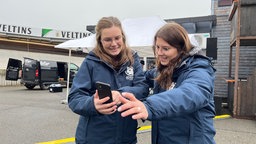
(104, 90)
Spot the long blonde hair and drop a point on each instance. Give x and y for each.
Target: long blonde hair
(176, 36)
(125, 54)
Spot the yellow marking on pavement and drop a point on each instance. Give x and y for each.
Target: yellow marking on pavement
(142, 128)
(61, 141)
(68, 140)
(222, 116)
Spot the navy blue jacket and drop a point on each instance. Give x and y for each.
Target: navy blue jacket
(184, 114)
(93, 127)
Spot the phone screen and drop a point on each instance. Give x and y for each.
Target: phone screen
(104, 90)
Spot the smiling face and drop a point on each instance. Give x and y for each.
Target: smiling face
(164, 52)
(112, 40)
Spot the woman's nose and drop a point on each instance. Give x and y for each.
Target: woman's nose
(159, 51)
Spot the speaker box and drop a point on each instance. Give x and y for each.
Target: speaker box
(211, 48)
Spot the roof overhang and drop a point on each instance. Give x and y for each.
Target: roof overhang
(203, 24)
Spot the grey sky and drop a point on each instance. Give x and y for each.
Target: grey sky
(75, 15)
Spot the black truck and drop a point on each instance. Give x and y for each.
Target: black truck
(40, 73)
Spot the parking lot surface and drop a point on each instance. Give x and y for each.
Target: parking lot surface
(38, 117)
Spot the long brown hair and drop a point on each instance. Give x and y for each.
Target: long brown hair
(176, 36)
(126, 52)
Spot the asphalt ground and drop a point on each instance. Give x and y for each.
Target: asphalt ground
(39, 117)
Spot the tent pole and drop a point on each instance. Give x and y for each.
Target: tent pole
(66, 100)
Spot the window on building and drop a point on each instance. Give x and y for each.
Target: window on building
(222, 3)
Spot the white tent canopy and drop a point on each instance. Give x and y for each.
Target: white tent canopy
(87, 42)
(139, 33)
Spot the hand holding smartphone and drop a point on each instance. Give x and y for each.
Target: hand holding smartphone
(104, 90)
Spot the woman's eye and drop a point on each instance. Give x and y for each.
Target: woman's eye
(107, 39)
(118, 38)
(166, 48)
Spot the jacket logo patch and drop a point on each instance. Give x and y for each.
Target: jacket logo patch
(129, 72)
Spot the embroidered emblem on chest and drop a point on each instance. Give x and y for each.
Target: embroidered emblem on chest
(129, 73)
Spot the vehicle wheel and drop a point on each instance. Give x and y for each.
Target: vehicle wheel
(43, 86)
(29, 86)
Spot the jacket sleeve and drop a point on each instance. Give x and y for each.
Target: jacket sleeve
(193, 93)
(80, 99)
(139, 87)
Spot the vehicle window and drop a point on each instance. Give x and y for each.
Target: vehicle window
(73, 67)
(45, 64)
(29, 63)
